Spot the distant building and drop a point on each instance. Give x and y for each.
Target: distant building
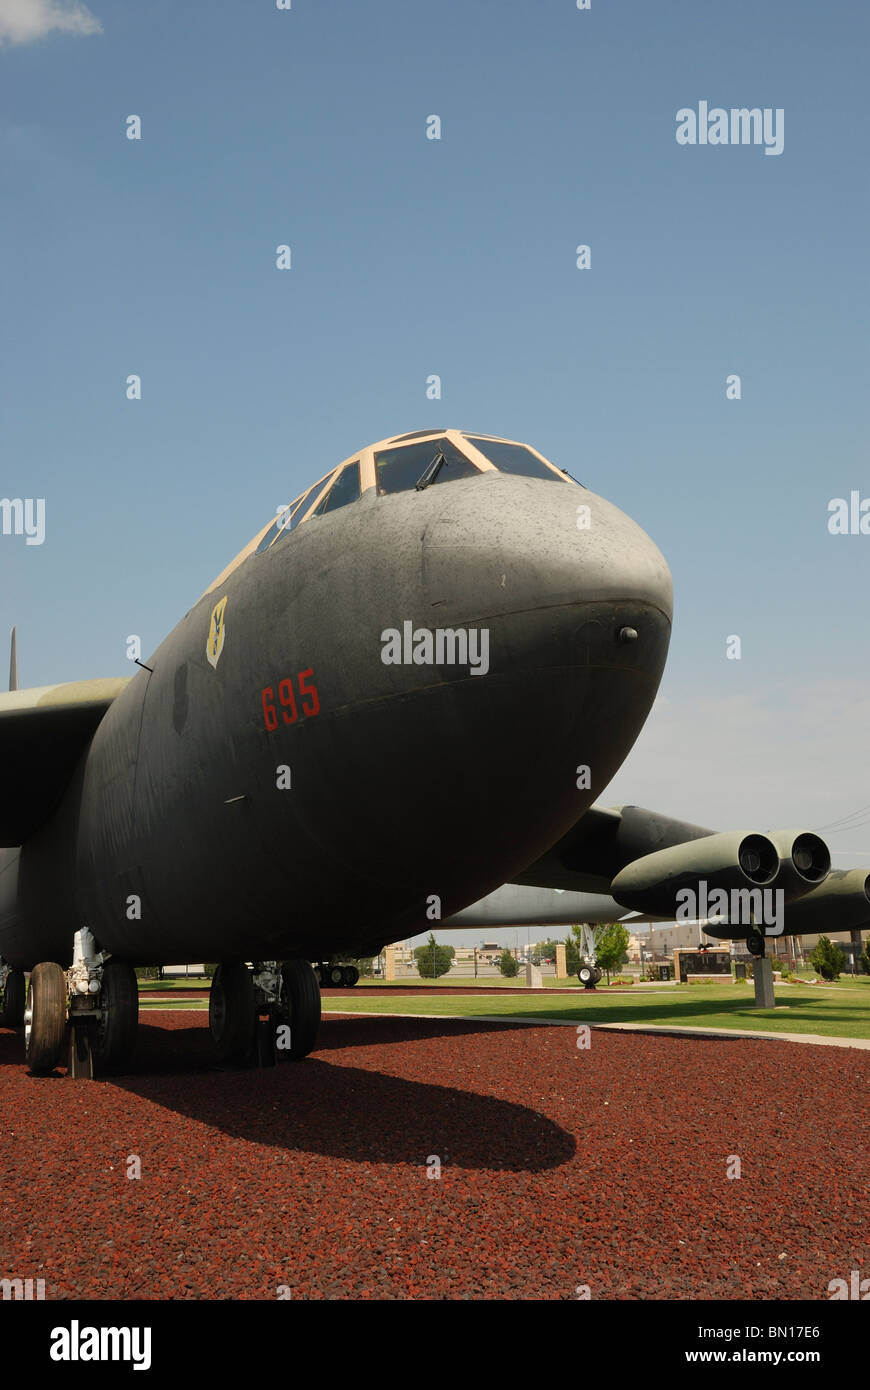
(658, 940)
(489, 952)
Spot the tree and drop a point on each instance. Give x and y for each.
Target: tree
(507, 965)
(864, 958)
(610, 949)
(827, 958)
(433, 960)
(547, 950)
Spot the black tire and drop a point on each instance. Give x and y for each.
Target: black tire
(302, 1008)
(351, 975)
(584, 974)
(232, 1013)
(14, 998)
(45, 1017)
(119, 1023)
(336, 976)
(755, 944)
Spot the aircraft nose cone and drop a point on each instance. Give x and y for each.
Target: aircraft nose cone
(576, 603)
(512, 546)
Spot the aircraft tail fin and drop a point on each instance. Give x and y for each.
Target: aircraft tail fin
(13, 663)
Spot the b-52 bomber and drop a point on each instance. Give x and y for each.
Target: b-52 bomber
(405, 692)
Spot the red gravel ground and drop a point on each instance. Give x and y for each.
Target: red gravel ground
(560, 1167)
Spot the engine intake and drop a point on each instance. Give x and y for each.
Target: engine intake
(805, 861)
(728, 861)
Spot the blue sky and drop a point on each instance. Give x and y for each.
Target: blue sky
(456, 257)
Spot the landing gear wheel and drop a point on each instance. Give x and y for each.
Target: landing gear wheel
(45, 1017)
(589, 975)
(351, 975)
(14, 996)
(755, 944)
(302, 1007)
(119, 1022)
(231, 1012)
(336, 975)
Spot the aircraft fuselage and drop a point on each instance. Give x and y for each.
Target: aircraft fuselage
(273, 786)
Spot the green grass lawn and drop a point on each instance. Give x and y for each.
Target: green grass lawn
(482, 982)
(177, 982)
(800, 1009)
(844, 982)
(464, 981)
(840, 1009)
(154, 1005)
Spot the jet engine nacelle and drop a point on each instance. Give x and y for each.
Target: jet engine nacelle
(841, 903)
(795, 862)
(804, 862)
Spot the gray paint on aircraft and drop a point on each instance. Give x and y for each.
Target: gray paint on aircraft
(411, 781)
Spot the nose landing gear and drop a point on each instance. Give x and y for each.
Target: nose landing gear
(93, 1008)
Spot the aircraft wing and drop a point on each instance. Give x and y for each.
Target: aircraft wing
(571, 882)
(624, 851)
(519, 905)
(603, 842)
(43, 733)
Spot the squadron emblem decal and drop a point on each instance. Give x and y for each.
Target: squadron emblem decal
(214, 644)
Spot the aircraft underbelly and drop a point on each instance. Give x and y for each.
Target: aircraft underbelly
(228, 865)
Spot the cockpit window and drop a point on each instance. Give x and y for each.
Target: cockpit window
(300, 509)
(400, 470)
(272, 532)
(513, 458)
(345, 489)
(289, 519)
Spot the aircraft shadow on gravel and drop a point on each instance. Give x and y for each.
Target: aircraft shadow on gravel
(333, 1110)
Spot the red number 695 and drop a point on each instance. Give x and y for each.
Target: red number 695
(287, 700)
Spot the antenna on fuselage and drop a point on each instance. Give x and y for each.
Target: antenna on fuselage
(13, 663)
